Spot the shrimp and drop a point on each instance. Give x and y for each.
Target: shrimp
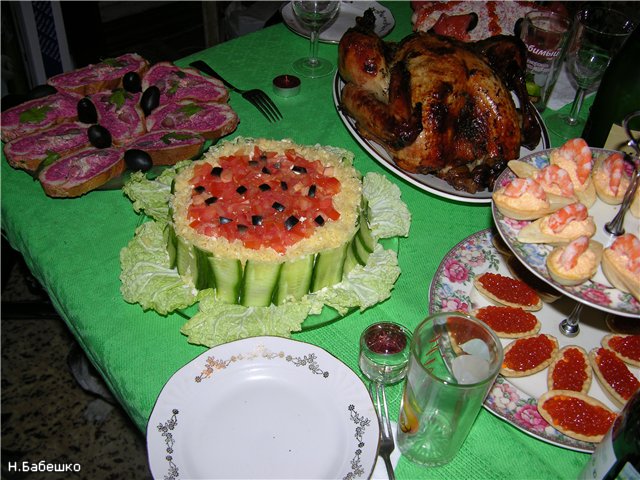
(519, 186)
(569, 257)
(554, 175)
(628, 245)
(614, 168)
(560, 219)
(579, 152)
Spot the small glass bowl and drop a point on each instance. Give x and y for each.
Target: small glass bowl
(384, 352)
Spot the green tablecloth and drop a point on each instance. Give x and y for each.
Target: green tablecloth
(72, 246)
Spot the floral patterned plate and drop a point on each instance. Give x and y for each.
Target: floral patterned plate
(515, 399)
(597, 292)
(263, 407)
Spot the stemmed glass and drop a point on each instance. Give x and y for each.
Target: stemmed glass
(314, 15)
(598, 33)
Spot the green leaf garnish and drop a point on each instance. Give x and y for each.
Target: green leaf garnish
(35, 114)
(118, 97)
(176, 136)
(190, 109)
(113, 62)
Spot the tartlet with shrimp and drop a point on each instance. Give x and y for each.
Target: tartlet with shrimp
(576, 159)
(576, 262)
(621, 264)
(525, 199)
(560, 227)
(610, 179)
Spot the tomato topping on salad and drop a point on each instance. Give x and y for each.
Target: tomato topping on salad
(263, 199)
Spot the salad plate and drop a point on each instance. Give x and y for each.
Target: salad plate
(345, 19)
(263, 407)
(597, 292)
(514, 399)
(428, 183)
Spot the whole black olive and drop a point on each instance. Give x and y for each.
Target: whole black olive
(474, 21)
(99, 136)
(131, 82)
(150, 99)
(137, 160)
(40, 91)
(87, 112)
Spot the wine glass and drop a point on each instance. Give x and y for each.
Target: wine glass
(598, 33)
(314, 15)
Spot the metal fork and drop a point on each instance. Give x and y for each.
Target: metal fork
(255, 96)
(387, 444)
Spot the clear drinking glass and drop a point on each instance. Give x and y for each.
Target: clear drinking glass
(314, 15)
(598, 33)
(454, 360)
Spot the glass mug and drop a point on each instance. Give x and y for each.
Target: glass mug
(454, 360)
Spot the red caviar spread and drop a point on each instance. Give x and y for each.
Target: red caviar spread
(569, 372)
(616, 373)
(579, 416)
(507, 319)
(527, 353)
(509, 289)
(628, 346)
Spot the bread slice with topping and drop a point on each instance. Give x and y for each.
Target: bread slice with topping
(81, 172)
(37, 115)
(211, 120)
(576, 415)
(168, 147)
(508, 322)
(48, 145)
(119, 112)
(105, 75)
(177, 83)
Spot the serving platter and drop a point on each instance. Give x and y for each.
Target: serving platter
(427, 183)
(263, 407)
(515, 399)
(345, 19)
(597, 292)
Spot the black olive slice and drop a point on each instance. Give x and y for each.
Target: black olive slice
(242, 228)
(224, 220)
(277, 165)
(278, 206)
(284, 186)
(216, 171)
(298, 169)
(241, 189)
(312, 191)
(264, 187)
(266, 170)
(199, 189)
(319, 220)
(253, 163)
(256, 220)
(290, 222)
(211, 200)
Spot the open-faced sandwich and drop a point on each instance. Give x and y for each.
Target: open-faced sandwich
(502, 290)
(626, 346)
(508, 322)
(528, 355)
(576, 415)
(570, 370)
(617, 381)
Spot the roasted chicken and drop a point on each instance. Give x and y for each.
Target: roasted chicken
(438, 105)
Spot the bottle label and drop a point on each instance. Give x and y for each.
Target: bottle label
(618, 139)
(601, 461)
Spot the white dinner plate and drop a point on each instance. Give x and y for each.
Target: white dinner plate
(263, 407)
(428, 183)
(596, 292)
(345, 19)
(515, 399)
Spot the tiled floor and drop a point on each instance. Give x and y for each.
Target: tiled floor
(46, 416)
